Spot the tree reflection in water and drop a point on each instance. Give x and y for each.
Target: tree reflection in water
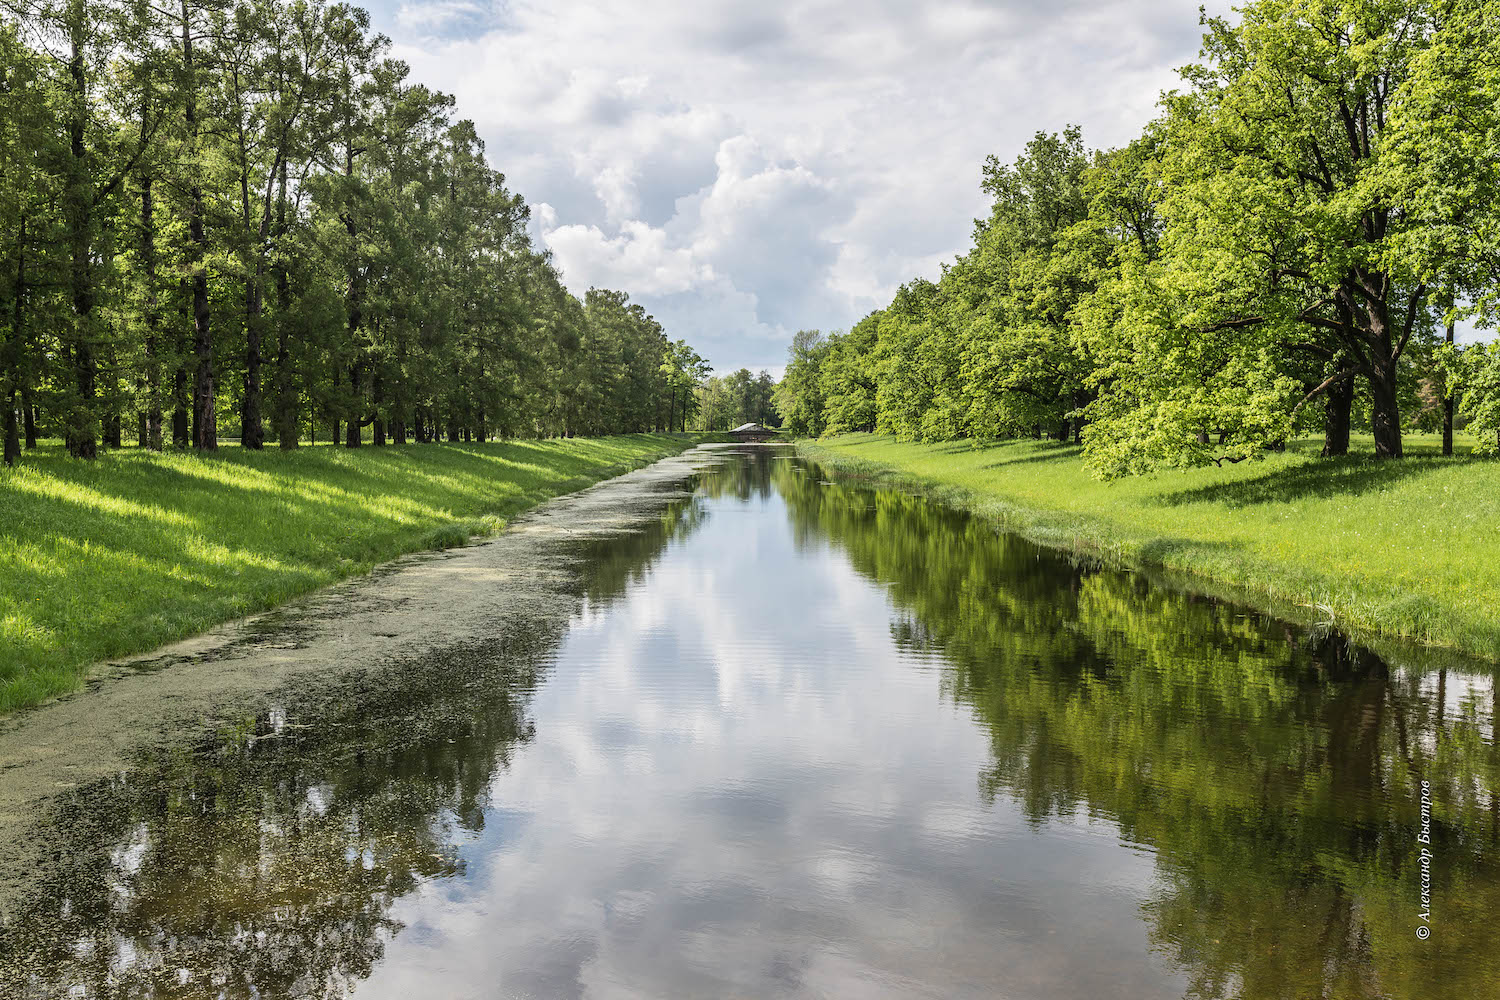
(1272, 773)
(1275, 772)
(264, 859)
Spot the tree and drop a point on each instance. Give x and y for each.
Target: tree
(26, 147)
(684, 370)
(847, 381)
(1019, 287)
(242, 207)
(799, 396)
(1442, 155)
(1276, 237)
(917, 364)
(1443, 163)
(1266, 259)
(1473, 382)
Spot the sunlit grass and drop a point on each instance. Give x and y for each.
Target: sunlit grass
(1407, 548)
(103, 559)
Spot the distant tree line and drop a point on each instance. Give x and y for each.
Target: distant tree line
(1284, 250)
(725, 403)
(243, 213)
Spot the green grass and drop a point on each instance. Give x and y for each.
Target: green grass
(107, 558)
(1407, 548)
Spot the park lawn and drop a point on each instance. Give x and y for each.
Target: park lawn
(117, 556)
(1406, 548)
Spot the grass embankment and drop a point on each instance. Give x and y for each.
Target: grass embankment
(1405, 548)
(107, 558)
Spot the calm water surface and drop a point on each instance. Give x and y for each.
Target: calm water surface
(808, 740)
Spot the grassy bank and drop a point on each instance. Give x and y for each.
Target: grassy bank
(1408, 548)
(103, 559)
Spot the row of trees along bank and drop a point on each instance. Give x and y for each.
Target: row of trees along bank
(1284, 249)
(244, 210)
(725, 402)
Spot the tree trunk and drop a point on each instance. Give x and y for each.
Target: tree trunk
(252, 433)
(1062, 429)
(12, 372)
(12, 446)
(12, 431)
(1336, 411)
(28, 416)
(81, 430)
(205, 416)
(286, 392)
(113, 431)
(181, 408)
(354, 302)
(1386, 422)
(377, 398)
(1448, 406)
(352, 428)
(152, 413)
(401, 407)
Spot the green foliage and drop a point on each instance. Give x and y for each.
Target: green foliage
(799, 396)
(684, 371)
(737, 398)
(1442, 162)
(245, 212)
(1268, 259)
(1474, 382)
(846, 381)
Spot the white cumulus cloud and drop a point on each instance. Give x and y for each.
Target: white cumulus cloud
(748, 170)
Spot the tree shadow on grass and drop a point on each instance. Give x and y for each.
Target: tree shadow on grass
(1052, 454)
(1352, 476)
(963, 447)
(136, 553)
(1041, 450)
(338, 485)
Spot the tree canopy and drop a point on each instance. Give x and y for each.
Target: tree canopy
(1273, 255)
(245, 216)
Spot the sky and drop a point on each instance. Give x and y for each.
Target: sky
(746, 170)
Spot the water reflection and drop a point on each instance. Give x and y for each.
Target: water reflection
(1276, 773)
(805, 739)
(264, 861)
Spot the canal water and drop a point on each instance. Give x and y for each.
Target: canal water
(796, 738)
